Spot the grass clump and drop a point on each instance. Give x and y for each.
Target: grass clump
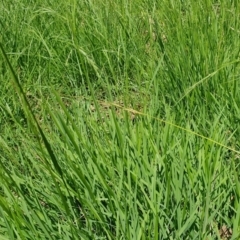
(119, 120)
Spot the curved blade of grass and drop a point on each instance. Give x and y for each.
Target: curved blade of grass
(36, 127)
(205, 79)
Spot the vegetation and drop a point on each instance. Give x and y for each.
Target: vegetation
(119, 119)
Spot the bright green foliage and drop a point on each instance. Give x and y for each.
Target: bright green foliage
(119, 119)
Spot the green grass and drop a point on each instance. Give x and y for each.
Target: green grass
(119, 120)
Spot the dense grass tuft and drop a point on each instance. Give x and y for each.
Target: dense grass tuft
(119, 120)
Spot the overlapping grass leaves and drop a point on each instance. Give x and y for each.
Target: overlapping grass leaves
(87, 167)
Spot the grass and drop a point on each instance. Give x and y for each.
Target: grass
(119, 120)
